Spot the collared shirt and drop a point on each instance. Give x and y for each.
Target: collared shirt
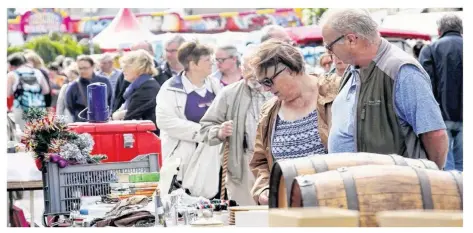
(415, 105)
(112, 77)
(189, 87)
(341, 136)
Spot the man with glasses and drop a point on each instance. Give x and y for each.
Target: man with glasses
(171, 65)
(385, 104)
(76, 94)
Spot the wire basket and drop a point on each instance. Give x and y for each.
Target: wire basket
(63, 187)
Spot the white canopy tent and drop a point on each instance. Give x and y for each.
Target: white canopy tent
(122, 32)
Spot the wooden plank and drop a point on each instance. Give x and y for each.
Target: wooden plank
(420, 218)
(24, 185)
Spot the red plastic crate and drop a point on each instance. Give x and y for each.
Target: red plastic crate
(110, 137)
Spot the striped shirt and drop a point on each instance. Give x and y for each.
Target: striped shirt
(299, 138)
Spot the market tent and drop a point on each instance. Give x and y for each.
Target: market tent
(313, 34)
(122, 32)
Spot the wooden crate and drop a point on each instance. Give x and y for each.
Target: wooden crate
(420, 218)
(313, 217)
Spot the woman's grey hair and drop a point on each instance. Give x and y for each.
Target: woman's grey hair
(232, 51)
(450, 22)
(357, 21)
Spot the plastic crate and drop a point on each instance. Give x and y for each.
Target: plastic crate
(63, 187)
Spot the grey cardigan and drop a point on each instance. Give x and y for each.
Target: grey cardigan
(231, 103)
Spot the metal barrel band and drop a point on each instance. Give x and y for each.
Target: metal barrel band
(350, 188)
(308, 192)
(320, 166)
(291, 172)
(459, 183)
(425, 189)
(398, 160)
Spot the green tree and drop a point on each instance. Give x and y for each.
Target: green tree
(50, 46)
(312, 15)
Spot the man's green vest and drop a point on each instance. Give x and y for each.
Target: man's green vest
(377, 126)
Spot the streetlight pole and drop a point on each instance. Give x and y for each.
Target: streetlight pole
(90, 12)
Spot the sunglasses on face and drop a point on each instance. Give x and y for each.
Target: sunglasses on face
(268, 82)
(330, 46)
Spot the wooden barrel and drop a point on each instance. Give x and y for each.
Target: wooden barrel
(284, 172)
(374, 188)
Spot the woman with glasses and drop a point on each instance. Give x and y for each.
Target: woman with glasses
(72, 73)
(180, 104)
(228, 64)
(289, 124)
(233, 116)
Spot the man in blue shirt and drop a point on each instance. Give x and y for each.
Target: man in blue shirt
(352, 35)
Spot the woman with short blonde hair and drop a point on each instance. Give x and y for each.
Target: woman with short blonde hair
(34, 59)
(140, 95)
(138, 61)
(289, 124)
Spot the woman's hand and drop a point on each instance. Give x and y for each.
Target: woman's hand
(264, 197)
(226, 130)
(119, 115)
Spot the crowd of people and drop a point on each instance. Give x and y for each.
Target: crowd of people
(265, 105)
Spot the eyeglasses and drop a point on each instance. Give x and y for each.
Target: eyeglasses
(329, 46)
(268, 82)
(85, 68)
(222, 60)
(171, 50)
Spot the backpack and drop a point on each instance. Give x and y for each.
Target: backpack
(28, 92)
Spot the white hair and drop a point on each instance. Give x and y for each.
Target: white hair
(174, 39)
(267, 31)
(357, 21)
(105, 57)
